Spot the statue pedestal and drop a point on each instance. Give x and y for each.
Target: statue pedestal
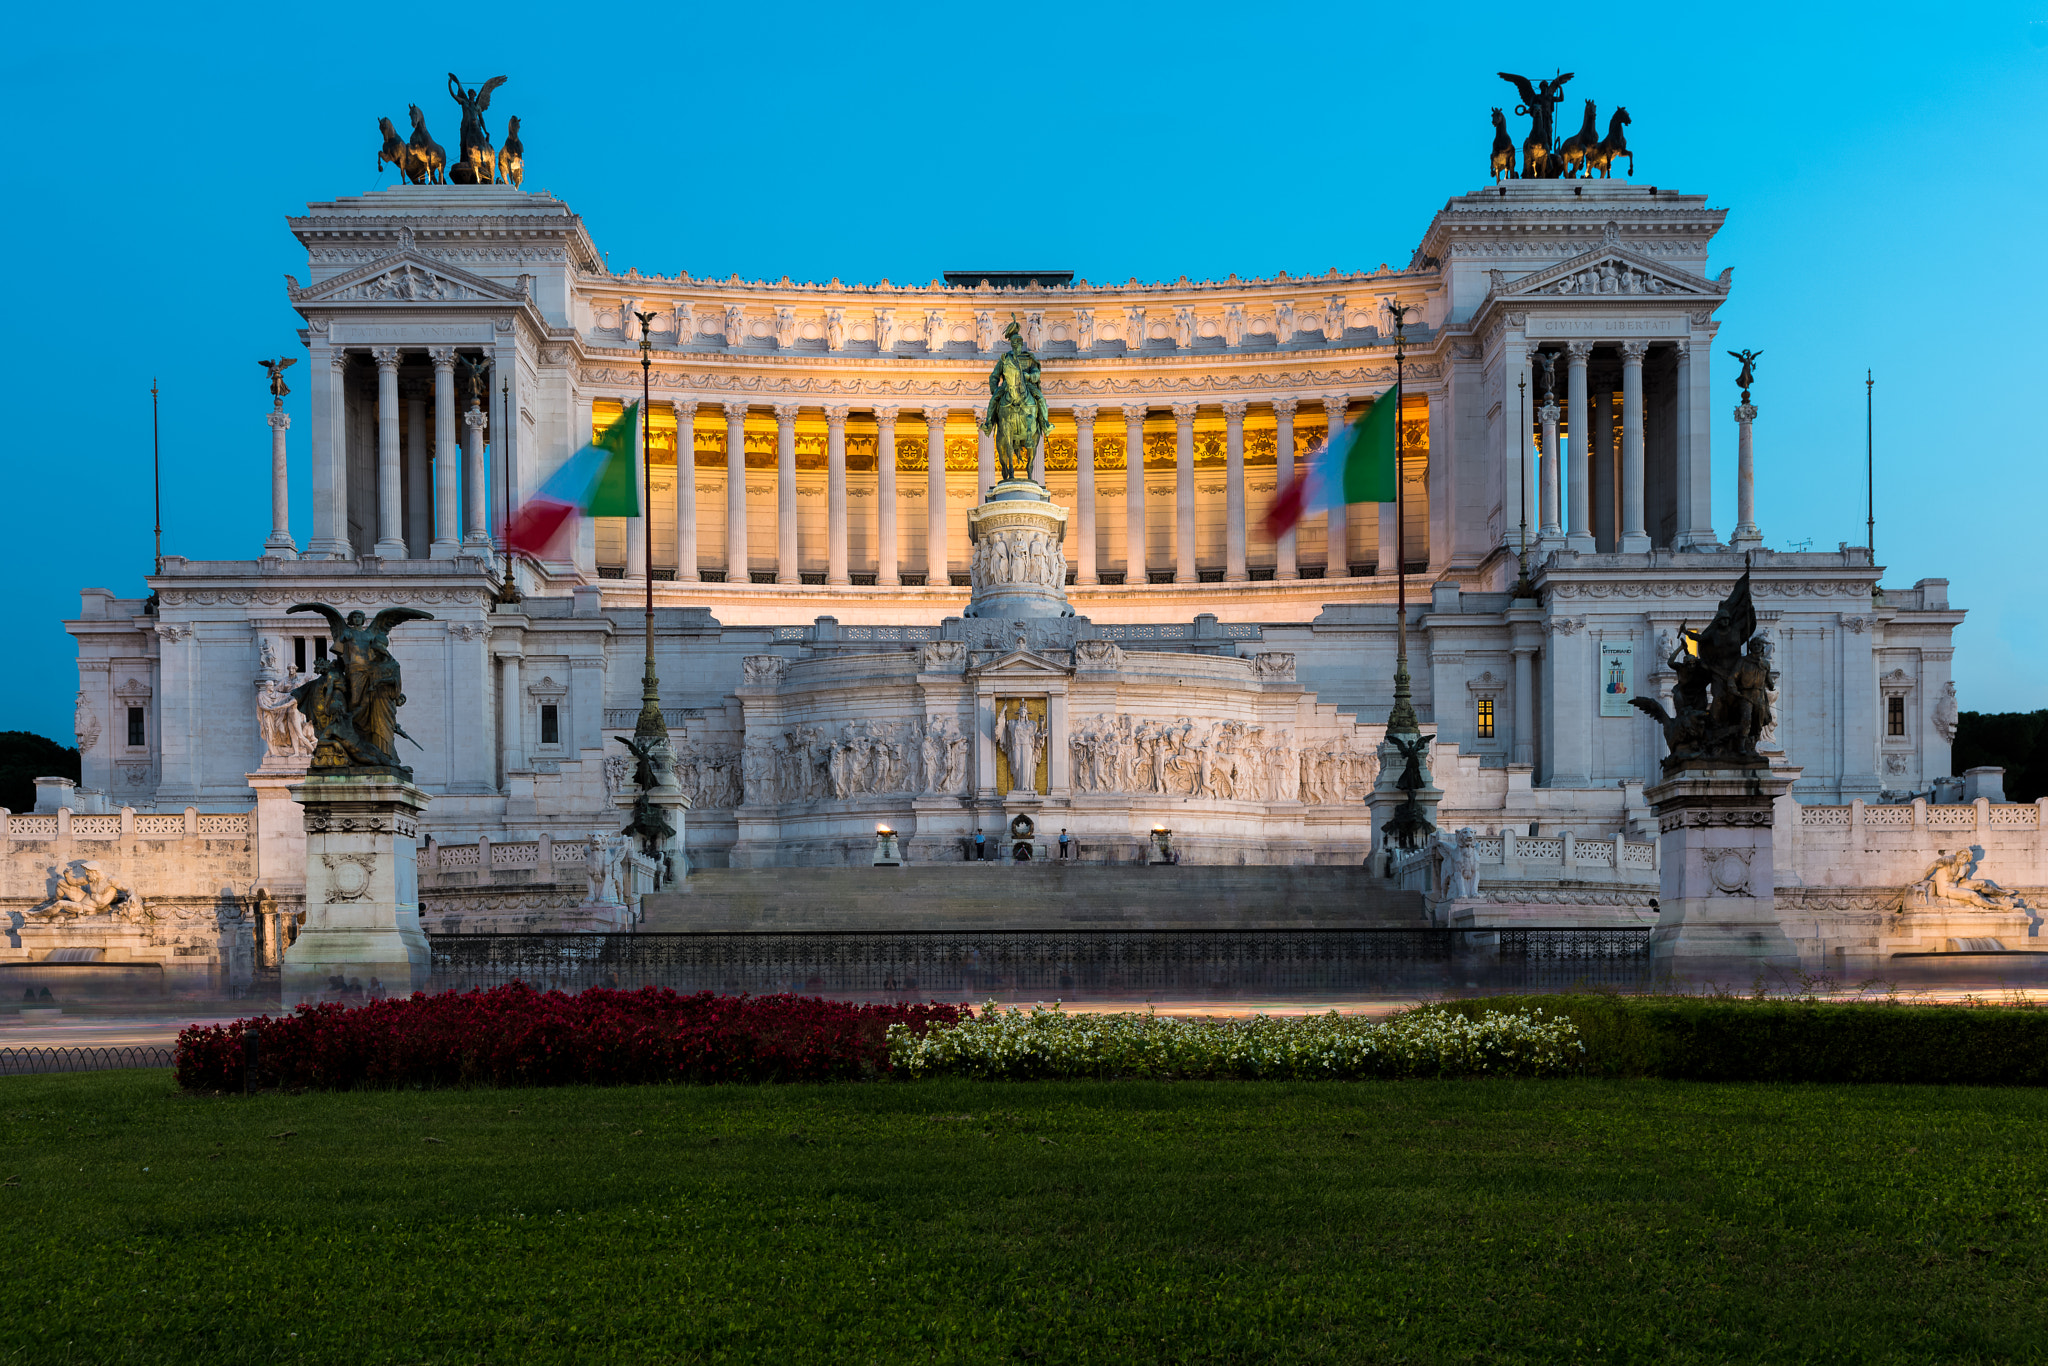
(362, 889)
(674, 805)
(1717, 893)
(1018, 567)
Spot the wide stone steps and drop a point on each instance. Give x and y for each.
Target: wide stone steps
(1034, 896)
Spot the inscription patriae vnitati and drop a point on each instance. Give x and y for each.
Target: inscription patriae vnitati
(1606, 327)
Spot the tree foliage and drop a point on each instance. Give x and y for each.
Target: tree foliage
(2016, 741)
(25, 757)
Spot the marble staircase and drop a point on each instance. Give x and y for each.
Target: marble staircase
(1034, 896)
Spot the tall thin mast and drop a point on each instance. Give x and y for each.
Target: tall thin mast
(1869, 468)
(156, 469)
(651, 726)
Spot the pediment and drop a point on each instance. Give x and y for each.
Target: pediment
(404, 277)
(1019, 665)
(1610, 270)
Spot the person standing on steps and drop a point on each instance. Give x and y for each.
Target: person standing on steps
(1065, 845)
(980, 845)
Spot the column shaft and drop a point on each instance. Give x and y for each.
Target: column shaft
(279, 542)
(1283, 420)
(1681, 534)
(1747, 536)
(1634, 539)
(1580, 530)
(935, 575)
(835, 498)
(887, 572)
(1233, 492)
(390, 492)
(785, 494)
(1549, 533)
(330, 455)
(1600, 454)
(1525, 708)
(511, 715)
(1337, 528)
(1183, 493)
(447, 460)
(1084, 495)
(419, 479)
(639, 537)
(736, 494)
(1697, 415)
(1136, 569)
(476, 535)
(686, 490)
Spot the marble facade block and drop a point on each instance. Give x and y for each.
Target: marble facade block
(362, 889)
(1717, 891)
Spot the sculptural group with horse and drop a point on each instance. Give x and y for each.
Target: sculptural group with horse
(1542, 157)
(421, 161)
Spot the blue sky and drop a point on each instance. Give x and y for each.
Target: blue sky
(1883, 175)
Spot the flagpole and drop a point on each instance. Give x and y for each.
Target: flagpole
(156, 469)
(650, 726)
(1869, 468)
(1402, 719)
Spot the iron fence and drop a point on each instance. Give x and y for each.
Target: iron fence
(19, 1062)
(1075, 964)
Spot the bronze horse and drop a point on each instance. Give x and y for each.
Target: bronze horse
(1581, 144)
(393, 150)
(429, 163)
(478, 164)
(1612, 146)
(512, 156)
(1501, 164)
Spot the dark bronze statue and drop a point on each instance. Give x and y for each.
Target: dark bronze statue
(278, 388)
(512, 156)
(478, 164)
(1547, 362)
(1408, 827)
(1720, 702)
(427, 164)
(1539, 102)
(1748, 375)
(643, 762)
(1501, 164)
(394, 150)
(352, 701)
(1016, 411)
(1572, 156)
(1614, 145)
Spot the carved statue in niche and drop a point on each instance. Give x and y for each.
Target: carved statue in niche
(1946, 715)
(1022, 737)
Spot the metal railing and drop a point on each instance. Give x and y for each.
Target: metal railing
(950, 964)
(20, 1062)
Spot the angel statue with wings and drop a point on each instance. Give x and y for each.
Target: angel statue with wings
(353, 698)
(276, 368)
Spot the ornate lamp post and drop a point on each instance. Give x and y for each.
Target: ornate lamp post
(1523, 588)
(1402, 719)
(650, 729)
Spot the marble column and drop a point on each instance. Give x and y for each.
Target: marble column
(984, 455)
(1525, 706)
(1084, 495)
(511, 715)
(390, 492)
(1337, 534)
(1634, 540)
(686, 490)
(330, 452)
(1697, 416)
(639, 530)
(1747, 535)
(1580, 530)
(887, 573)
(475, 535)
(835, 498)
(1600, 454)
(419, 478)
(736, 494)
(785, 494)
(1038, 463)
(935, 499)
(1681, 534)
(1183, 493)
(1549, 534)
(1233, 492)
(279, 543)
(447, 462)
(1283, 420)
(1135, 567)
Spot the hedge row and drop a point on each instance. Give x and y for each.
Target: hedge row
(516, 1036)
(1690, 1038)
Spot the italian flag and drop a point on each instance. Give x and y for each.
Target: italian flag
(1356, 465)
(597, 481)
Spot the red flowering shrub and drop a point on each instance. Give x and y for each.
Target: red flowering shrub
(516, 1036)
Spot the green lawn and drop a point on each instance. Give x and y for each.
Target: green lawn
(959, 1221)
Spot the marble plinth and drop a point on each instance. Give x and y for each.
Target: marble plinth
(362, 889)
(1018, 569)
(1717, 892)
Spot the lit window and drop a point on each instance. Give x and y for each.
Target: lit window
(1895, 716)
(137, 738)
(550, 724)
(1486, 718)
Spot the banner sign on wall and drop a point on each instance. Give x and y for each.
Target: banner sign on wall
(1617, 677)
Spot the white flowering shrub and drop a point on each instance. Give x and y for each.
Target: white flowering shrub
(1046, 1042)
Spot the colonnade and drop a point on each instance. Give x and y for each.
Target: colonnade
(1171, 558)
